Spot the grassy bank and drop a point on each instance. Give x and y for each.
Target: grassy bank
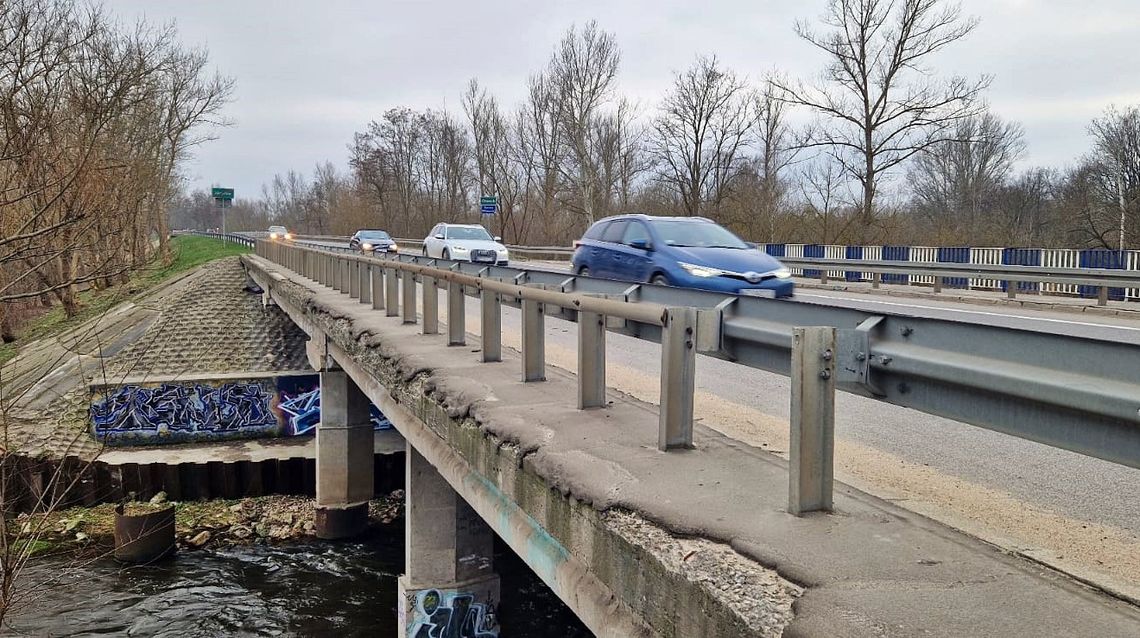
(187, 252)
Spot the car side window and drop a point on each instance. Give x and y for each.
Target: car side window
(614, 232)
(596, 231)
(634, 231)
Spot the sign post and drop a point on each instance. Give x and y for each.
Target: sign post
(223, 198)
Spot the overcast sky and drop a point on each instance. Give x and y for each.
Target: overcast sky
(309, 74)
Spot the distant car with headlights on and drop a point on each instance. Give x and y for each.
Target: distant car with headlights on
(279, 232)
(687, 252)
(465, 242)
(373, 241)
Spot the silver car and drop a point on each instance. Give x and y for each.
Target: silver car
(465, 242)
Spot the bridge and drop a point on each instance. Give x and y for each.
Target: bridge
(647, 523)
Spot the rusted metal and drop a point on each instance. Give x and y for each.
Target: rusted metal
(144, 538)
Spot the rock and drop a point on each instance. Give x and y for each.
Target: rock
(158, 499)
(280, 533)
(200, 539)
(241, 532)
(235, 508)
(261, 529)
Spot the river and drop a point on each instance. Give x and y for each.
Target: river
(309, 589)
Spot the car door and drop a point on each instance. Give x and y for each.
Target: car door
(608, 247)
(433, 246)
(629, 262)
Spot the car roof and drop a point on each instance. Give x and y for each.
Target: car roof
(462, 225)
(371, 230)
(645, 217)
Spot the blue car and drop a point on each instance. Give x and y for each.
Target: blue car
(689, 252)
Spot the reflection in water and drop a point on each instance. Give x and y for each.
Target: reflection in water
(312, 589)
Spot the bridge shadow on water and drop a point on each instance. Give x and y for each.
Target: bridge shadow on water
(305, 589)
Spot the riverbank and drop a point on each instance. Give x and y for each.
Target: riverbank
(216, 524)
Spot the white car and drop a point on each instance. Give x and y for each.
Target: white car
(465, 242)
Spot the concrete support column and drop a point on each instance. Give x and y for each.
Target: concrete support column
(450, 582)
(344, 457)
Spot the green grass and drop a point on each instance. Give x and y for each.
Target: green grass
(188, 252)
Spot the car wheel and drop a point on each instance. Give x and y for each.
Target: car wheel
(446, 254)
(659, 280)
(584, 271)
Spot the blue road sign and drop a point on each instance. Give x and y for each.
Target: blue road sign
(489, 209)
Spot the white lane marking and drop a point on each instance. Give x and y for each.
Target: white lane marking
(975, 312)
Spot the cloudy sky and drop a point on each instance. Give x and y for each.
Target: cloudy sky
(311, 73)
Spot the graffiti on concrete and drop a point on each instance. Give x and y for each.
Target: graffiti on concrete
(304, 412)
(452, 615)
(228, 407)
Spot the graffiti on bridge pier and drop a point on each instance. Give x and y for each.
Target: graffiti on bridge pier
(304, 412)
(174, 407)
(454, 615)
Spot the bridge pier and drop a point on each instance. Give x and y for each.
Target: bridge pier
(449, 582)
(344, 457)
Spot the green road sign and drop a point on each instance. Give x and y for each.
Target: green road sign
(489, 200)
(222, 193)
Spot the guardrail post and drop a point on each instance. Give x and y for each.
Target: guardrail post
(812, 448)
(937, 284)
(431, 305)
(377, 286)
(876, 279)
(335, 264)
(678, 377)
(365, 283)
(353, 279)
(392, 292)
(491, 325)
(591, 360)
(327, 270)
(533, 341)
(408, 285)
(456, 315)
(1102, 296)
(1011, 289)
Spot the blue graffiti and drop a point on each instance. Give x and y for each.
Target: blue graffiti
(229, 407)
(304, 413)
(452, 616)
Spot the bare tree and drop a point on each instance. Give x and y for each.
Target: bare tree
(826, 201)
(583, 70)
(1115, 168)
(957, 181)
(698, 137)
(879, 102)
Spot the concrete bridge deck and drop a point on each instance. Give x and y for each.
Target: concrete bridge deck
(640, 542)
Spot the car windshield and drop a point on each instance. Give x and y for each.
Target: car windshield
(373, 234)
(690, 232)
(276, 229)
(468, 232)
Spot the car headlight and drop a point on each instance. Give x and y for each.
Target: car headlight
(393, 248)
(288, 235)
(366, 246)
(273, 235)
(459, 249)
(701, 271)
(782, 273)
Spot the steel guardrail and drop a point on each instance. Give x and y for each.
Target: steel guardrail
(1067, 386)
(941, 272)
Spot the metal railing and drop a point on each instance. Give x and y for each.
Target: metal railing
(233, 238)
(1059, 274)
(1072, 386)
